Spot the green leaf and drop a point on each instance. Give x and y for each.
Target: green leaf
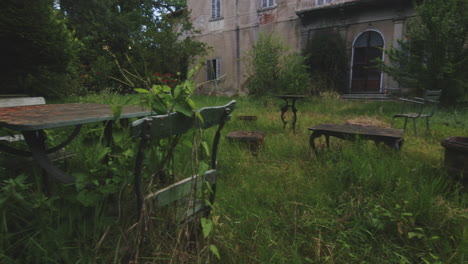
(207, 226)
(202, 167)
(159, 107)
(199, 116)
(187, 142)
(156, 89)
(142, 91)
(177, 91)
(183, 108)
(101, 154)
(129, 153)
(434, 256)
(206, 148)
(166, 89)
(117, 111)
(191, 103)
(413, 235)
(215, 251)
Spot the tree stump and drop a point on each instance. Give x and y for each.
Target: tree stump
(252, 139)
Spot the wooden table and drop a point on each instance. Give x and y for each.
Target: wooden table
(32, 120)
(389, 136)
(288, 105)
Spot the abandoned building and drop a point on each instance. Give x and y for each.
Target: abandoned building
(231, 27)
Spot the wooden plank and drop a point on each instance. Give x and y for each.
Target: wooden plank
(38, 117)
(163, 126)
(182, 188)
(358, 129)
(21, 101)
(213, 115)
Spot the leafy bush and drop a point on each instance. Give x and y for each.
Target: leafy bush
(327, 59)
(435, 55)
(274, 69)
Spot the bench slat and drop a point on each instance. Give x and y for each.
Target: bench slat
(181, 189)
(21, 101)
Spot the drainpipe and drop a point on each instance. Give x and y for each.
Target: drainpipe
(238, 66)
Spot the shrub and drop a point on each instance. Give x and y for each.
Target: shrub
(435, 55)
(327, 59)
(273, 69)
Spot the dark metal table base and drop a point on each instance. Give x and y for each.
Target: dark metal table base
(286, 107)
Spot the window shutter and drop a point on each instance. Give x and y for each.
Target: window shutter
(218, 68)
(209, 69)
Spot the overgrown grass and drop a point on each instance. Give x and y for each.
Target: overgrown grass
(353, 203)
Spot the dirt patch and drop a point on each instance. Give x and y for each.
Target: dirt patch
(368, 121)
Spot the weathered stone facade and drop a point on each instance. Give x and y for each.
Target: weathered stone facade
(231, 27)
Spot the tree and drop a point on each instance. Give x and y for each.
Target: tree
(143, 35)
(435, 54)
(327, 59)
(39, 53)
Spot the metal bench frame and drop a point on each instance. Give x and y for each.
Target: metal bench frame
(177, 124)
(426, 108)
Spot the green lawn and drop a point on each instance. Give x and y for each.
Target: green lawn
(353, 203)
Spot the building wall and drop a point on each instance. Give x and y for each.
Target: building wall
(235, 33)
(351, 18)
(295, 21)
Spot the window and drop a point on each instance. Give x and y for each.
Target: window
(268, 3)
(215, 9)
(366, 76)
(321, 2)
(213, 69)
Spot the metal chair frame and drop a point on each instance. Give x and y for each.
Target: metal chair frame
(426, 105)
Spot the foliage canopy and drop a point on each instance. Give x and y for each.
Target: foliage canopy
(39, 54)
(51, 48)
(435, 54)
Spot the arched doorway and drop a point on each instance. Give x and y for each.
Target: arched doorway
(365, 76)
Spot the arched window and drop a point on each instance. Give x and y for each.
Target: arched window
(366, 77)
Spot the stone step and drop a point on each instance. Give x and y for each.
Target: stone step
(374, 97)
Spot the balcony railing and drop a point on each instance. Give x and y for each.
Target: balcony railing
(304, 5)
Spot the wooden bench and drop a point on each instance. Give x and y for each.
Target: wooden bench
(18, 101)
(154, 128)
(389, 136)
